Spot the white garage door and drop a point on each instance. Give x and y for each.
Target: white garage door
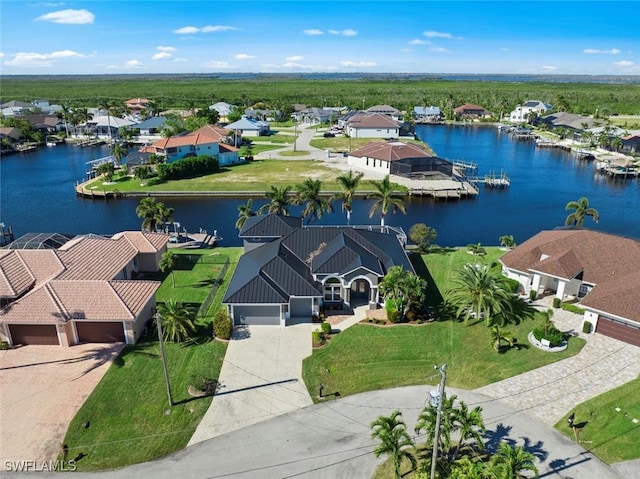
(256, 315)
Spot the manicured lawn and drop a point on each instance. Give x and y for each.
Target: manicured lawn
(366, 357)
(609, 434)
(128, 414)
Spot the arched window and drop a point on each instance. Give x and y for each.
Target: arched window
(332, 289)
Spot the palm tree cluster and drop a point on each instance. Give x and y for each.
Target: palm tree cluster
(461, 445)
(153, 213)
(580, 210)
(403, 289)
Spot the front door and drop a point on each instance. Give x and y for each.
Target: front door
(360, 292)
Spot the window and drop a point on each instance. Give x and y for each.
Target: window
(332, 290)
(584, 290)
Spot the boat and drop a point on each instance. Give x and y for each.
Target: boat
(585, 155)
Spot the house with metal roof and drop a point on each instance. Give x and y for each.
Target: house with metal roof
(600, 271)
(290, 271)
(84, 290)
(246, 126)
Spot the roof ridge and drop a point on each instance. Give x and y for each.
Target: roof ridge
(57, 301)
(122, 301)
(4, 276)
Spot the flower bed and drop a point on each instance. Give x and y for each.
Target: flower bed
(545, 345)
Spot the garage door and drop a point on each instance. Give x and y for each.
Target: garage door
(300, 308)
(99, 332)
(618, 330)
(34, 334)
(256, 315)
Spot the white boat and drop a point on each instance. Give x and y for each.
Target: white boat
(51, 143)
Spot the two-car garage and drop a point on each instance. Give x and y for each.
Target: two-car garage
(619, 330)
(38, 334)
(256, 315)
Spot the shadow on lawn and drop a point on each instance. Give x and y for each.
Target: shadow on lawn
(433, 295)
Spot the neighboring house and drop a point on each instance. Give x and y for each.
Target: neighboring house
(223, 109)
(373, 125)
(390, 111)
(246, 126)
(137, 105)
(427, 114)
(208, 140)
(522, 112)
(82, 291)
(106, 126)
(398, 158)
(471, 112)
(259, 114)
(631, 143)
(11, 133)
(313, 116)
(600, 270)
(152, 126)
(44, 123)
(289, 271)
(571, 121)
(14, 107)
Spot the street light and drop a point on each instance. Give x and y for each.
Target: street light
(434, 456)
(164, 359)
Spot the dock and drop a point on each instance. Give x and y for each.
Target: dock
(6, 235)
(491, 180)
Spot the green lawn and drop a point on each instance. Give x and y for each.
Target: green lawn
(129, 418)
(609, 434)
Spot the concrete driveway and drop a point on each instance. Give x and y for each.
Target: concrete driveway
(261, 378)
(41, 389)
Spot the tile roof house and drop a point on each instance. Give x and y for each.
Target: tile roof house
(600, 270)
(289, 270)
(372, 125)
(208, 140)
(471, 111)
(83, 291)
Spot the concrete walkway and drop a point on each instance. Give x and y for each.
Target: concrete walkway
(261, 378)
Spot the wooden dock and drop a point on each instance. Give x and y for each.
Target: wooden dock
(491, 180)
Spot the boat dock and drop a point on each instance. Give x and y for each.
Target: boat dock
(6, 235)
(493, 181)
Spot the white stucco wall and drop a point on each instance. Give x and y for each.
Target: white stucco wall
(370, 164)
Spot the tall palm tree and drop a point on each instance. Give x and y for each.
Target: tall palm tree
(168, 262)
(149, 210)
(481, 292)
(178, 321)
(316, 205)
(386, 199)
(244, 212)
(108, 106)
(165, 214)
(394, 439)
(511, 462)
(507, 241)
(470, 425)
(280, 201)
(348, 183)
(580, 210)
(118, 152)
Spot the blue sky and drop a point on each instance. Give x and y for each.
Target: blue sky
(115, 36)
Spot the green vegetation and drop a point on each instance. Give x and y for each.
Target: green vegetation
(608, 433)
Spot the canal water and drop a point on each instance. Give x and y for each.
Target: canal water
(36, 194)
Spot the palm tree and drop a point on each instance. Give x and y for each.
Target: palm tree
(316, 205)
(476, 249)
(348, 183)
(177, 320)
(507, 241)
(386, 199)
(168, 262)
(511, 462)
(394, 439)
(581, 209)
(498, 335)
(107, 105)
(149, 210)
(470, 425)
(106, 169)
(118, 151)
(427, 423)
(165, 214)
(280, 201)
(480, 291)
(142, 172)
(244, 212)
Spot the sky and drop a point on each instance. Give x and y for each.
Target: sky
(484, 37)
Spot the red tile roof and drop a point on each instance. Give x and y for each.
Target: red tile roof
(144, 241)
(95, 258)
(391, 151)
(372, 120)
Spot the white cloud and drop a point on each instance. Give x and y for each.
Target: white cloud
(1, 55)
(505, 49)
(334, 32)
(215, 64)
(624, 63)
(357, 64)
(186, 30)
(77, 17)
(32, 59)
(548, 68)
(438, 50)
(417, 41)
(294, 58)
(244, 56)
(166, 49)
(128, 65)
(347, 33)
(446, 35)
(217, 28)
(161, 56)
(406, 50)
(313, 31)
(595, 51)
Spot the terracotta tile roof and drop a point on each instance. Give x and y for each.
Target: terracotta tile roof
(391, 151)
(224, 148)
(38, 307)
(43, 264)
(21, 270)
(202, 136)
(93, 258)
(372, 120)
(467, 107)
(144, 241)
(213, 131)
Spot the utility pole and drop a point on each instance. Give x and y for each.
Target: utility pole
(443, 380)
(164, 358)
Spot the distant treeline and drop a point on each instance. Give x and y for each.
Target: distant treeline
(275, 92)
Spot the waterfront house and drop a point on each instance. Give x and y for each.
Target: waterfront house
(290, 271)
(44, 123)
(137, 105)
(79, 290)
(106, 127)
(569, 121)
(427, 114)
(10, 133)
(372, 125)
(390, 111)
(523, 112)
(152, 126)
(631, 142)
(14, 107)
(246, 126)
(599, 271)
(469, 111)
(397, 158)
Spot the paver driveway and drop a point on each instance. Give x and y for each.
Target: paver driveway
(41, 389)
(261, 378)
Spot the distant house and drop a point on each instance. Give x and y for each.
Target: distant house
(11, 133)
(152, 126)
(312, 116)
(373, 125)
(599, 270)
(223, 109)
(137, 105)
(290, 271)
(106, 126)
(249, 127)
(398, 158)
(15, 107)
(427, 114)
(569, 121)
(631, 143)
(470, 111)
(44, 123)
(82, 291)
(208, 140)
(390, 111)
(522, 112)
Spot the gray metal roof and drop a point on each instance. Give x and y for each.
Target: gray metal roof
(269, 226)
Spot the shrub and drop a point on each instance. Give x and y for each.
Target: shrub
(587, 327)
(557, 302)
(533, 294)
(325, 328)
(4, 345)
(317, 337)
(512, 284)
(188, 168)
(573, 308)
(222, 325)
(394, 315)
(552, 334)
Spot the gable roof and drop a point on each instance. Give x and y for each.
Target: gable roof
(384, 109)
(152, 122)
(82, 261)
(391, 151)
(246, 123)
(469, 106)
(144, 241)
(269, 226)
(372, 120)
